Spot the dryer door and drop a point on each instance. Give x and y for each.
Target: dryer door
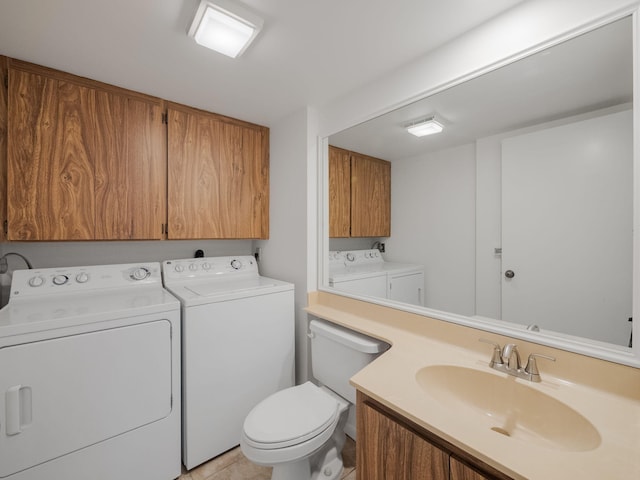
(62, 394)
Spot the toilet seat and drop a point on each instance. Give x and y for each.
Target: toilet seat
(290, 417)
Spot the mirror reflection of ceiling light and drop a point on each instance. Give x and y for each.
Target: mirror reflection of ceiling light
(224, 26)
(428, 126)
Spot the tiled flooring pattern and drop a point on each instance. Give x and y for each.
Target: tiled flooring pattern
(233, 465)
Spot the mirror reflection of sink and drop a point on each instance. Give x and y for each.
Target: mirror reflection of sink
(509, 408)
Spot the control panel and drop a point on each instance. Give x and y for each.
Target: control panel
(209, 267)
(354, 257)
(45, 281)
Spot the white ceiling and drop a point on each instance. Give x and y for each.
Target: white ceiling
(309, 52)
(590, 72)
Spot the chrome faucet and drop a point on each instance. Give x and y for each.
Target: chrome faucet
(507, 360)
(511, 357)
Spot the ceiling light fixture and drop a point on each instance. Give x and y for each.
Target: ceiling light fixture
(428, 126)
(224, 26)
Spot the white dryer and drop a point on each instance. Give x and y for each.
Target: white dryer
(90, 375)
(237, 347)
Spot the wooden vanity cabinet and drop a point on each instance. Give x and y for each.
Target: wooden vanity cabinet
(218, 176)
(392, 447)
(359, 195)
(85, 160)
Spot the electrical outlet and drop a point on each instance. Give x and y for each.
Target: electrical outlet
(4, 265)
(381, 247)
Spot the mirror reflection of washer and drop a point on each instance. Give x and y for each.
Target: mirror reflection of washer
(90, 384)
(237, 347)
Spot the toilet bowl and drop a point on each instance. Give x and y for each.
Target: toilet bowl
(300, 431)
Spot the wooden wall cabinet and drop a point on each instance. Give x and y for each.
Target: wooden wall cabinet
(359, 195)
(218, 176)
(82, 160)
(4, 81)
(85, 161)
(392, 447)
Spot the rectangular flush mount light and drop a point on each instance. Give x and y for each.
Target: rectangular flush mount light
(224, 26)
(428, 126)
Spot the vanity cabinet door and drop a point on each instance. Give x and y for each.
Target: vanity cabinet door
(388, 450)
(459, 471)
(370, 196)
(218, 176)
(339, 193)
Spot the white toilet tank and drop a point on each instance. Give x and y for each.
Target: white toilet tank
(338, 353)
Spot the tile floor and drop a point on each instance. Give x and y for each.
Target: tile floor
(233, 465)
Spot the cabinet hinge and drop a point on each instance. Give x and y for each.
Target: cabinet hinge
(165, 228)
(165, 118)
(5, 227)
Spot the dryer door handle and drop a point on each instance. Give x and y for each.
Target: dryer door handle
(18, 409)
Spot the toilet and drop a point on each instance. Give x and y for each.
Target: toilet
(300, 431)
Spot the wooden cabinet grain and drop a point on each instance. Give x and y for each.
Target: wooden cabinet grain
(3, 144)
(391, 447)
(218, 176)
(339, 192)
(359, 195)
(393, 451)
(85, 161)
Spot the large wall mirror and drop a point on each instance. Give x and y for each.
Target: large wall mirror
(521, 210)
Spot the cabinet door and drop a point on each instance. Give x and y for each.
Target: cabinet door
(130, 168)
(218, 177)
(3, 144)
(339, 193)
(50, 159)
(459, 471)
(387, 450)
(244, 182)
(370, 196)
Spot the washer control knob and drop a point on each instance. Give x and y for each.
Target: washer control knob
(179, 268)
(351, 257)
(193, 267)
(140, 273)
(60, 279)
(36, 281)
(236, 264)
(206, 266)
(82, 277)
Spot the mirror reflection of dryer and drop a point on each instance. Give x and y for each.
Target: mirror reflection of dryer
(237, 347)
(365, 272)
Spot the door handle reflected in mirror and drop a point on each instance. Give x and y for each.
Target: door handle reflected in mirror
(509, 274)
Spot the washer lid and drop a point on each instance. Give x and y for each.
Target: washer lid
(291, 416)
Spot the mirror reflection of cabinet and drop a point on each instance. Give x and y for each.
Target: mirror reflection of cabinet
(359, 195)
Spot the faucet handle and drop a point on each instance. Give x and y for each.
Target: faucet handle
(496, 358)
(532, 367)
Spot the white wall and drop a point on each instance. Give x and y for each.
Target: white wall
(433, 224)
(292, 225)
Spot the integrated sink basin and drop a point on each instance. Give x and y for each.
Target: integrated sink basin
(507, 407)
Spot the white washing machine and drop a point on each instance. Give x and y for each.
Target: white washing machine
(365, 272)
(90, 375)
(237, 347)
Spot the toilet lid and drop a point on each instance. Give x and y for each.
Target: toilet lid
(291, 416)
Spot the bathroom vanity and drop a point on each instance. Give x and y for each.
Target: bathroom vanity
(431, 406)
(391, 446)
